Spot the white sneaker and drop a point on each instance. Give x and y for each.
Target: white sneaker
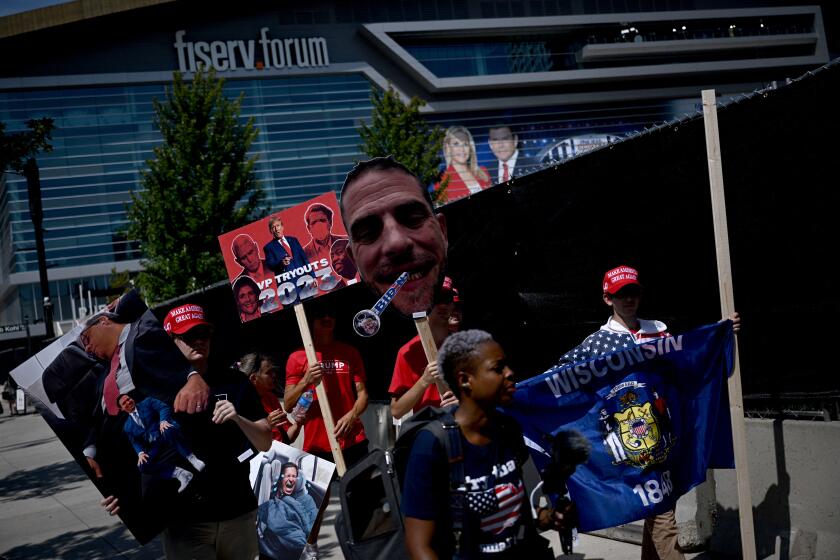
(183, 476)
(310, 552)
(196, 462)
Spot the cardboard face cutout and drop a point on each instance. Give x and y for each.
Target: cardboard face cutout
(290, 486)
(393, 231)
(107, 389)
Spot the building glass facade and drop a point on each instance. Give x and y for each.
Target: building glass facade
(104, 136)
(564, 86)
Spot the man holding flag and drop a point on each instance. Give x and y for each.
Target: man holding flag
(624, 329)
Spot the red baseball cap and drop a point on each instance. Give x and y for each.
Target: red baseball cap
(619, 277)
(447, 290)
(183, 318)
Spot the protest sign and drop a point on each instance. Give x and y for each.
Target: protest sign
(655, 415)
(290, 256)
(270, 268)
(290, 487)
(107, 390)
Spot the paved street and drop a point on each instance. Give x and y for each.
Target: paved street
(49, 509)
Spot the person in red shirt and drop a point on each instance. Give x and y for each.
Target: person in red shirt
(261, 371)
(342, 371)
(413, 383)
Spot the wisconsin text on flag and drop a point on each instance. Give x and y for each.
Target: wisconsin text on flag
(570, 378)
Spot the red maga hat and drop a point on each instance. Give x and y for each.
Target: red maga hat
(447, 291)
(183, 318)
(619, 277)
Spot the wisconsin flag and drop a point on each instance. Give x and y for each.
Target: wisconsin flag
(656, 415)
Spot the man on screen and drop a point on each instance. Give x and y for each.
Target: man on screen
(393, 229)
(511, 163)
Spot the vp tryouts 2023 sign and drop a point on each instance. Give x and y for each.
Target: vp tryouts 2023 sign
(292, 255)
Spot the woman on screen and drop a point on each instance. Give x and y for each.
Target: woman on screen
(465, 176)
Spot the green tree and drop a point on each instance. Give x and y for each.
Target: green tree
(398, 129)
(200, 184)
(119, 283)
(17, 147)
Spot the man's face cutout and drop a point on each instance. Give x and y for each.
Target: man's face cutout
(290, 476)
(247, 255)
(341, 261)
(277, 229)
(127, 404)
(394, 230)
(318, 225)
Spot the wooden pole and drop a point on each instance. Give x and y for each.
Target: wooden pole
(320, 390)
(421, 321)
(727, 306)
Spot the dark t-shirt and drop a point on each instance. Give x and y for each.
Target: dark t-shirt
(496, 497)
(222, 490)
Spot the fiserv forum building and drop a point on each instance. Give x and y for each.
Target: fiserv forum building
(567, 74)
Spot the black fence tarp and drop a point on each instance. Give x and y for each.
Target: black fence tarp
(529, 256)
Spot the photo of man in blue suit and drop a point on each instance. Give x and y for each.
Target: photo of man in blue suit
(284, 252)
(154, 434)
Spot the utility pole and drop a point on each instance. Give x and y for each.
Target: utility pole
(36, 212)
(28, 336)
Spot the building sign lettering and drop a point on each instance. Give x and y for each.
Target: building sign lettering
(267, 52)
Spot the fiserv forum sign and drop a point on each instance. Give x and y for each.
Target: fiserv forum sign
(299, 52)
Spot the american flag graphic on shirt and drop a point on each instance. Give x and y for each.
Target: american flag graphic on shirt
(498, 507)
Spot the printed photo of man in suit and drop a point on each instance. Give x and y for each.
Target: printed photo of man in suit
(138, 356)
(284, 252)
(154, 435)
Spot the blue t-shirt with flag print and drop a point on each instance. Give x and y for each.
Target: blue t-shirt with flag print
(494, 491)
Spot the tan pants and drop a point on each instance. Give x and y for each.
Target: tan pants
(659, 539)
(234, 539)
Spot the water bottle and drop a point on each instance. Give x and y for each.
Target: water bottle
(299, 411)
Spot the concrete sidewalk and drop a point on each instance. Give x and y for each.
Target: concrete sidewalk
(49, 508)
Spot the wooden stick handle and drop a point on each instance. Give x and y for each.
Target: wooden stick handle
(320, 390)
(421, 321)
(727, 306)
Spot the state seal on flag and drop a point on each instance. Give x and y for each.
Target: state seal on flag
(637, 432)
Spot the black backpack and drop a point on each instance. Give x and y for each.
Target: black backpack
(370, 525)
